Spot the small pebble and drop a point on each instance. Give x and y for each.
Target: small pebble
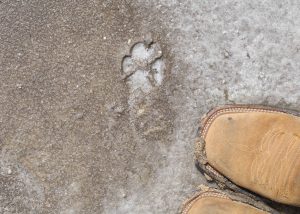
(79, 115)
(208, 178)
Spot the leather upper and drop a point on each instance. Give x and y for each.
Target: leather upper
(259, 151)
(215, 205)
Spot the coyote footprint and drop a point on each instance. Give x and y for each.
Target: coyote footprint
(144, 72)
(144, 68)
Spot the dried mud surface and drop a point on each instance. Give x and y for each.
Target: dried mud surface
(100, 100)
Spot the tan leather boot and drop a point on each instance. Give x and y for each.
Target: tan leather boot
(254, 147)
(216, 202)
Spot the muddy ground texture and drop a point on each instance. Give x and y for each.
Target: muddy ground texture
(100, 100)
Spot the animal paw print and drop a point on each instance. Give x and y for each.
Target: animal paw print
(144, 68)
